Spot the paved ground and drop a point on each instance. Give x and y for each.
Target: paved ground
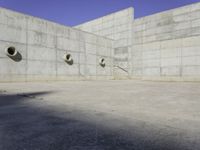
(100, 115)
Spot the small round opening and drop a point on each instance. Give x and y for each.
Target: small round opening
(102, 62)
(68, 57)
(11, 51)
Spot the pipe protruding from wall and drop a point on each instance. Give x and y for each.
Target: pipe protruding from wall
(13, 54)
(68, 59)
(102, 62)
(11, 51)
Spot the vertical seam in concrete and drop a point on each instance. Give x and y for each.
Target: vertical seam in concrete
(111, 57)
(26, 76)
(79, 54)
(56, 42)
(142, 43)
(160, 58)
(85, 64)
(181, 59)
(114, 37)
(96, 57)
(130, 45)
(112, 50)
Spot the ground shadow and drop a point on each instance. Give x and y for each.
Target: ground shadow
(27, 127)
(18, 98)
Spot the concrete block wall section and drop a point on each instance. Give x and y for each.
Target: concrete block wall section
(42, 45)
(166, 45)
(117, 26)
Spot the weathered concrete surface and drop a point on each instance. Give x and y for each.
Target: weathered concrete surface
(163, 46)
(106, 115)
(116, 26)
(166, 45)
(42, 45)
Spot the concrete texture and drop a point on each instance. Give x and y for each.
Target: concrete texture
(163, 46)
(116, 26)
(106, 115)
(101, 115)
(42, 45)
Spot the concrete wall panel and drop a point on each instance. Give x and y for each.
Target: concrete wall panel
(12, 67)
(162, 45)
(42, 45)
(41, 53)
(64, 69)
(39, 67)
(12, 34)
(167, 44)
(117, 26)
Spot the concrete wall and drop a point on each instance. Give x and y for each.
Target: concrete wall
(167, 45)
(164, 46)
(117, 26)
(42, 45)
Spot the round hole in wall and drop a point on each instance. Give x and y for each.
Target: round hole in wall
(68, 59)
(11, 51)
(102, 62)
(13, 54)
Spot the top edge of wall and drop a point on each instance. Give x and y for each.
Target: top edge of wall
(51, 22)
(116, 12)
(168, 11)
(27, 15)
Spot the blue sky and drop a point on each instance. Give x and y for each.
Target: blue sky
(74, 12)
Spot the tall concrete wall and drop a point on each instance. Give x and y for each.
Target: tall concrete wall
(42, 45)
(163, 46)
(167, 45)
(117, 26)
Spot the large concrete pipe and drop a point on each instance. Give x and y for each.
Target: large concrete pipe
(13, 54)
(68, 58)
(102, 62)
(11, 51)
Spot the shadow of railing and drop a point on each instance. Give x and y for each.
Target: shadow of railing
(121, 68)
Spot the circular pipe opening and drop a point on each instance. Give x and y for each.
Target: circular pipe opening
(68, 58)
(102, 62)
(11, 51)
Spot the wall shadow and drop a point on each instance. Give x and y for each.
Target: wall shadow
(16, 58)
(18, 98)
(70, 62)
(23, 126)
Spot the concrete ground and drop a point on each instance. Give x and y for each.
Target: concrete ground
(100, 115)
